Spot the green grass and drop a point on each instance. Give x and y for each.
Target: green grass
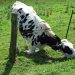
(46, 62)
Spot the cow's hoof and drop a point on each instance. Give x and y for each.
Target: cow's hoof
(29, 52)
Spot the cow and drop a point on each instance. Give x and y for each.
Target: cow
(38, 31)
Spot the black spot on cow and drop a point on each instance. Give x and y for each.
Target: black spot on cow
(26, 33)
(22, 16)
(19, 10)
(44, 39)
(25, 26)
(67, 50)
(29, 32)
(27, 14)
(41, 38)
(29, 26)
(31, 22)
(24, 20)
(56, 47)
(32, 27)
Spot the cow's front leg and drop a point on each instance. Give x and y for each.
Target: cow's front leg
(26, 44)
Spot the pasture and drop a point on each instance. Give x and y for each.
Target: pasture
(45, 62)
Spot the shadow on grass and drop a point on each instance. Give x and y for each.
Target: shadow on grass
(8, 68)
(41, 57)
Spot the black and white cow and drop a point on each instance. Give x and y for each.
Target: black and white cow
(38, 31)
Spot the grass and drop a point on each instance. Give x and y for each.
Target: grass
(45, 62)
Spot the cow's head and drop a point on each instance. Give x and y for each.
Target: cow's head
(67, 48)
(17, 6)
(22, 8)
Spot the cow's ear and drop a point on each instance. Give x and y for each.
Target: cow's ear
(19, 9)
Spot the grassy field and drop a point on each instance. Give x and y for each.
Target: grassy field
(46, 62)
